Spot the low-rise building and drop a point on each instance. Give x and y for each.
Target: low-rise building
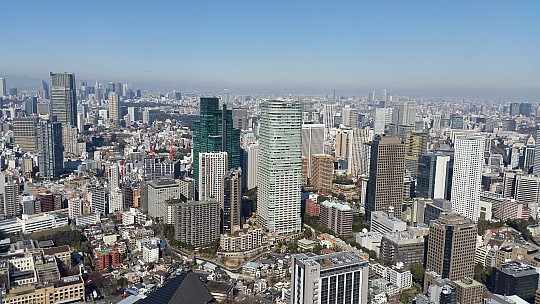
(242, 240)
(150, 253)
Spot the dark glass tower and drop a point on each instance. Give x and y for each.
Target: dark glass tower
(50, 149)
(64, 98)
(214, 132)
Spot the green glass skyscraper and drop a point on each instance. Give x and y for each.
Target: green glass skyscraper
(214, 132)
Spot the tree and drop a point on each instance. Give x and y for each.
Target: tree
(404, 297)
(122, 282)
(308, 234)
(481, 273)
(417, 272)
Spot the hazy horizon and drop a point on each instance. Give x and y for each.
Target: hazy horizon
(426, 48)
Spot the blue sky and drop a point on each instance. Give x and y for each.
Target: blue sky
(447, 48)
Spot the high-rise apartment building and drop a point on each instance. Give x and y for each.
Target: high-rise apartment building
(329, 113)
(331, 278)
(25, 133)
(312, 141)
(50, 149)
(64, 98)
(451, 246)
(322, 172)
(12, 199)
(196, 222)
(215, 132)
(383, 116)
(69, 140)
(467, 175)
(212, 170)
(231, 203)
(280, 166)
(114, 106)
(386, 175)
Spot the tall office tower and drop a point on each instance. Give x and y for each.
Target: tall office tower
(240, 118)
(350, 117)
(24, 133)
(312, 141)
(415, 144)
(12, 200)
(196, 222)
(45, 93)
(64, 98)
(30, 105)
(536, 166)
(69, 141)
(384, 95)
(371, 96)
(383, 116)
(467, 175)
(50, 149)
(525, 109)
(386, 175)
(280, 166)
(456, 122)
(322, 172)
(3, 87)
(214, 132)
(340, 277)
(329, 113)
(231, 203)
(97, 93)
(359, 151)
(80, 122)
(341, 144)
(187, 189)
(251, 160)
(114, 106)
(451, 246)
(212, 170)
(434, 175)
(404, 113)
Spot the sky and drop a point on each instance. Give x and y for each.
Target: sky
(424, 48)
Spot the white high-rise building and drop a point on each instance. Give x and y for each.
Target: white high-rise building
(312, 141)
(280, 166)
(350, 117)
(467, 175)
(116, 200)
(252, 151)
(3, 87)
(212, 169)
(404, 113)
(329, 113)
(359, 151)
(536, 165)
(383, 116)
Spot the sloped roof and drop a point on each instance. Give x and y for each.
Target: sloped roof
(186, 288)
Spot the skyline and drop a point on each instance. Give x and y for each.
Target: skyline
(480, 49)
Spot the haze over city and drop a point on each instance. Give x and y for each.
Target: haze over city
(424, 48)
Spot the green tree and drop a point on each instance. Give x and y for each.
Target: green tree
(417, 272)
(308, 234)
(122, 282)
(481, 273)
(404, 297)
